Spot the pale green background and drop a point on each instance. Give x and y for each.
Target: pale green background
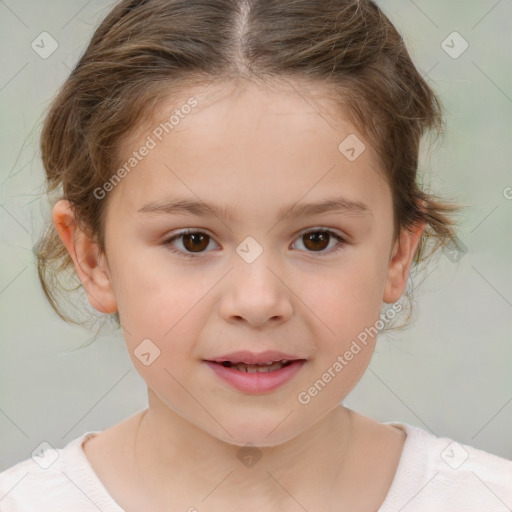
(449, 374)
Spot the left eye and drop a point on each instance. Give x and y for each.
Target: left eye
(317, 240)
(195, 242)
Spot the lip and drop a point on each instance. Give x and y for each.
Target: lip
(245, 356)
(256, 383)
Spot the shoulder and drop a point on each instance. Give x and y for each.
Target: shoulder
(26, 480)
(438, 473)
(51, 479)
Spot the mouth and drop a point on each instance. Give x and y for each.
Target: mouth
(270, 366)
(256, 378)
(256, 372)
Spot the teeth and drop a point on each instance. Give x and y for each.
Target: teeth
(259, 368)
(284, 361)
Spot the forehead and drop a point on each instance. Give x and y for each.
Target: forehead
(230, 138)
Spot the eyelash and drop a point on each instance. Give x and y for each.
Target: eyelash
(168, 242)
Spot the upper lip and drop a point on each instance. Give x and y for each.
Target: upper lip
(245, 356)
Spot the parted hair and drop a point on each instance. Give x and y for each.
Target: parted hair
(146, 51)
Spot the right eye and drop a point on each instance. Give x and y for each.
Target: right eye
(192, 242)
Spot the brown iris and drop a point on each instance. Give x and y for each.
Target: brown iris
(317, 240)
(198, 242)
(195, 241)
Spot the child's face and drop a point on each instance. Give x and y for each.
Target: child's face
(252, 153)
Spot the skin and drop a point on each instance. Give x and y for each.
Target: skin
(253, 150)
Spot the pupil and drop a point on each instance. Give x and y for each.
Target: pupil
(195, 237)
(197, 242)
(321, 236)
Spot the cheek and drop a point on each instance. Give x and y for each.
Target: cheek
(346, 308)
(167, 305)
(153, 291)
(168, 378)
(347, 298)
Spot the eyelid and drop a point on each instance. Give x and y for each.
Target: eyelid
(323, 228)
(187, 231)
(342, 240)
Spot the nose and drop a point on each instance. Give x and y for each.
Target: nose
(256, 293)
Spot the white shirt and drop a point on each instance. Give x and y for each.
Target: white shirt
(434, 474)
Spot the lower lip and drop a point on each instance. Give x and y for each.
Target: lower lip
(259, 382)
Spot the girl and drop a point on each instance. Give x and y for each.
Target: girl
(238, 190)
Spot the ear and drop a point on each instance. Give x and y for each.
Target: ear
(400, 262)
(91, 266)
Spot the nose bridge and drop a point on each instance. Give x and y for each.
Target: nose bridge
(254, 291)
(253, 263)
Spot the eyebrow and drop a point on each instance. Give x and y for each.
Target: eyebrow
(178, 206)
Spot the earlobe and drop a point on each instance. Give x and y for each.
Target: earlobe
(400, 263)
(91, 266)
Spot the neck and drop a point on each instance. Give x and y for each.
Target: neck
(167, 448)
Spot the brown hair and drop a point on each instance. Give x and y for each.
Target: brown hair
(146, 50)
